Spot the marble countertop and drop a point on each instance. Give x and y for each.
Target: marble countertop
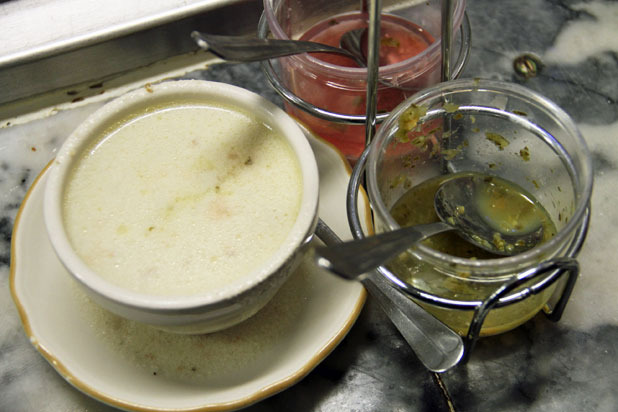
(571, 365)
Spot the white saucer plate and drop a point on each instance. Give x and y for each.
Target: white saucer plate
(134, 367)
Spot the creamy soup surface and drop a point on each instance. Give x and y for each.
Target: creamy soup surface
(183, 200)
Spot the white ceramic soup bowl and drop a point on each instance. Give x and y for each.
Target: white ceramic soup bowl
(219, 304)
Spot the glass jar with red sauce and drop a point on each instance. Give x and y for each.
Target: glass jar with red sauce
(410, 60)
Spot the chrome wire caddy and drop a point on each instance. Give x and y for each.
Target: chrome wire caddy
(561, 271)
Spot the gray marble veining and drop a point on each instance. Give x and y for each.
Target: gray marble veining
(567, 366)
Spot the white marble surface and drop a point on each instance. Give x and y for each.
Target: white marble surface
(567, 366)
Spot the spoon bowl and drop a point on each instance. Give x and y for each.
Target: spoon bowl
(490, 213)
(352, 41)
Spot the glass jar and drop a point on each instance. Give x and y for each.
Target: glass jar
(494, 128)
(325, 92)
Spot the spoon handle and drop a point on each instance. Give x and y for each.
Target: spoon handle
(250, 49)
(436, 345)
(354, 258)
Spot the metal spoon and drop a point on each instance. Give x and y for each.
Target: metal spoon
(250, 49)
(437, 346)
(457, 207)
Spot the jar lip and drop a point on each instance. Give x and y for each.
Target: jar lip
(487, 268)
(432, 52)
